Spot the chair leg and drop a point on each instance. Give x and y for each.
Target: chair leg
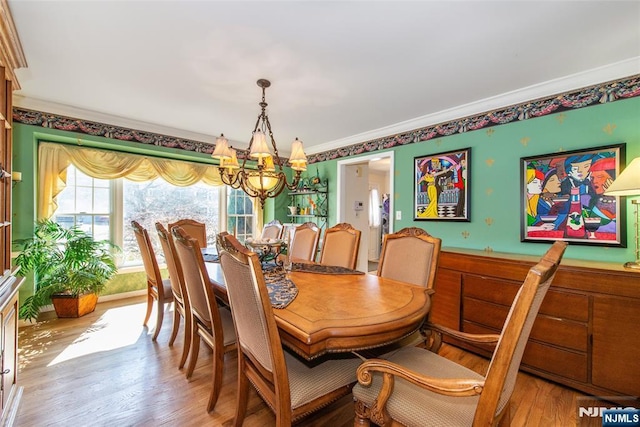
(149, 308)
(218, 365)
(176, 323)
(187, 340)
(242, 393)
(362, 415)
(159, 319)
(195, 348)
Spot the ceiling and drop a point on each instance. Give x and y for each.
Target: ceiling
(341, 71)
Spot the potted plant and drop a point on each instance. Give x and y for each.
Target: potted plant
(70, 269)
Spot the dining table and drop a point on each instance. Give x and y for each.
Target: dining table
(336, 313)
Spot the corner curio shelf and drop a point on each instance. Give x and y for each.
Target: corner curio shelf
(309, 202)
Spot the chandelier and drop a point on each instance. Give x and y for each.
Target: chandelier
(267, 179)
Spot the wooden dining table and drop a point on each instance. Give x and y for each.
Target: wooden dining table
(335, 313)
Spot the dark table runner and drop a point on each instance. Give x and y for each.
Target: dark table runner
(322, 269)
(210, 255)
(281, 289)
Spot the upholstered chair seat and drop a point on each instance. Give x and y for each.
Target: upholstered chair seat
(413, 407)
(310, 383)
(415, 387)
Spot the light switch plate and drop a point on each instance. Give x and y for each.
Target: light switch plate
(398, 215)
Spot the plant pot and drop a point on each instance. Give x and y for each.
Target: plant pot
(70, 306)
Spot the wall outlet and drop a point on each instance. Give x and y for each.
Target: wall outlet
(398, 215)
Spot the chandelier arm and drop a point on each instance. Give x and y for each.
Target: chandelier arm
(228, 178)
(295, 182)
(276, 159)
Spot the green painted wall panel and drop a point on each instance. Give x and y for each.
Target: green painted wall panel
(25, 139)
(495, 172)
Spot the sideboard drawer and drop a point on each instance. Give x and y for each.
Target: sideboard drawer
(542, 356)
(560, 332)
(556, 361)
(566, 305)
(490, 289)
(484, 313)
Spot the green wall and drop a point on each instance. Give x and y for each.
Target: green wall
(495, 176)
(494, 183)
(25, 140)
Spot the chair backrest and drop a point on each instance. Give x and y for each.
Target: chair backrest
(502, 371)
(195, 229)
(410, 255)
(201, 297)
(340, 246)
(256, 329)
(273, 230)
(154, 278)
(305, 242)
(220, 240)
(176, 276)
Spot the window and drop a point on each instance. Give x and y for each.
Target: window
(239, 214)
(86, 203)
(374, 208)
(158, 201)
(105, 208)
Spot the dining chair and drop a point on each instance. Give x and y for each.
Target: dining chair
(340, 246)
(209, 322)
(434, 391)
(304, 243)
(410, 256)
(220, 240)
(273, 230)
(158, 289)
(195, 229)
(289, 386)
(181, 306)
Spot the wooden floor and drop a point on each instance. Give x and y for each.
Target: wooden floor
(103, 369)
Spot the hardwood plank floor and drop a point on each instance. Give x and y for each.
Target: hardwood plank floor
(103, 369)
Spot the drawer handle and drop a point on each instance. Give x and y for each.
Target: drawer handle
(6, 371)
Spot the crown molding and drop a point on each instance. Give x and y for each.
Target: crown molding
(94, 116)
(11, 53)
(580, 80)
(530, 105)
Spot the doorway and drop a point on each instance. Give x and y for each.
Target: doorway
(359, 205)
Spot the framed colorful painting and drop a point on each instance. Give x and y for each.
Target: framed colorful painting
(441, 186)
(563, 197)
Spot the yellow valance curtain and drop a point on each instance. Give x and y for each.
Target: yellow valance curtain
(54, 159)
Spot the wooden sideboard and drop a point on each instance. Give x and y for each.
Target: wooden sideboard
(586, 333)
(10, 392)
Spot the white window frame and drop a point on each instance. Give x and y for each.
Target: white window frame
(116, 218)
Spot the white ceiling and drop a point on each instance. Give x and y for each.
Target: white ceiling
(341, 71)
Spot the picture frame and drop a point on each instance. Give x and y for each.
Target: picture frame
(562, 197)
(441, 186)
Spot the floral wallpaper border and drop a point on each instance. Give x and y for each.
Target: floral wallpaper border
(628, 87)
